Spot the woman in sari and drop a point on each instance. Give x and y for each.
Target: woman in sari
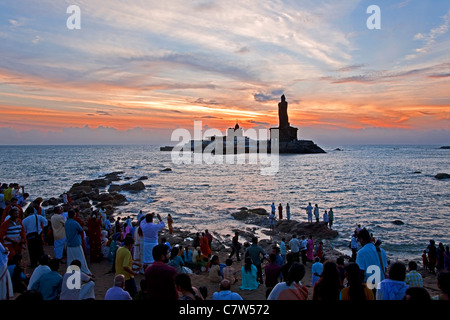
(204, 245)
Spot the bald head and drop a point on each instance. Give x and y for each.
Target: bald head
(119, 281)
(225, 285)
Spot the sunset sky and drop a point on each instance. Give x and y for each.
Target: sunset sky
(136, 72)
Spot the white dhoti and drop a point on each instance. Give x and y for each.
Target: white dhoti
(76, 253)
(148, 251)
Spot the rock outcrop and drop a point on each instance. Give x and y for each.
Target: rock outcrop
(442, 176)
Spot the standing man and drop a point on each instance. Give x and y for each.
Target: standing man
(303, 248)
(316, 212)
(325, 218)
(59, 233)
(272, 206)
(124, 265)
(368, 257)
(235, 246)
(150, 235)
(33, 224)
(309, 210)
(73, 232)
(280, 212)
(294, 244)
(255, 252)
(330, 217)
(288, 212)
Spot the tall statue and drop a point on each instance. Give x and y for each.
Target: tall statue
(282, 113)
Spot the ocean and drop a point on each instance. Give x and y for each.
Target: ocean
(367, 185)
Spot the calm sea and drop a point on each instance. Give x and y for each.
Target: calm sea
(367, 185)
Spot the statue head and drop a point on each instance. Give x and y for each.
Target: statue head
(283, 98)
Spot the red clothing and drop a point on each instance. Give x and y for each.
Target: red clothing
(272, 271)
(204, 246)
(160, 282)
(15, 247)
(280, 212)
(6, 211)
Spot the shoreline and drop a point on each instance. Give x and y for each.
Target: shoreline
(91, 194)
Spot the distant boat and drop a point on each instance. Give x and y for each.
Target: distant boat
(166, 148)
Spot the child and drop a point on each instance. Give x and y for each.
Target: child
(425, 260)
(214, 269)
(228, 272)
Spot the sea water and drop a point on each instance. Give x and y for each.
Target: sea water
(367, 185)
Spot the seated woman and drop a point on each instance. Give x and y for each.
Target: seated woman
(175, 260)
(249, 274)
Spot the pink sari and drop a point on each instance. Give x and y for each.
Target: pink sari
(310, 249)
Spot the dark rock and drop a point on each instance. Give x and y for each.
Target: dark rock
(104, 197)
(143, 178)
(445, 147)
(398, 222)
(318, 230)
(166, 170)
(114, 176)
(417, 171)
(442, 176)
(133, 187)
(115, 188)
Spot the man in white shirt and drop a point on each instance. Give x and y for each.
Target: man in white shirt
(294, 245)
(150, 235)
(33, 225)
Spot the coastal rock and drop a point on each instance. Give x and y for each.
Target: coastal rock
(445, 147)
(143, 178)
(114, 176)
(442, 176)
(166, 170)
(398, 222)
(133, 187)
(115, 188)
(246, 214)
(318, 230)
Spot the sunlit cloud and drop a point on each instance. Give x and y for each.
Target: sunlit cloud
(162, 65)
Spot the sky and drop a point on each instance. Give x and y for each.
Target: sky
(137, 70)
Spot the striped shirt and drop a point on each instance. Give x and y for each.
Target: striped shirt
(414, 279)
(13, 232)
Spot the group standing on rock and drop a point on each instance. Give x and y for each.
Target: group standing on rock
(327, 217)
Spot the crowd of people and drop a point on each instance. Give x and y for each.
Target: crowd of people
(134, 246)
